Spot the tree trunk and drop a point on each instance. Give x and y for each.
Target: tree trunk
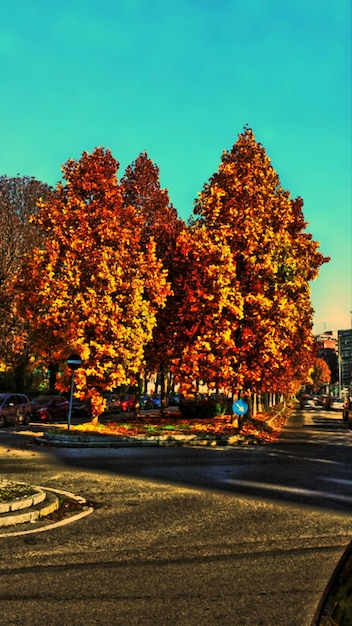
(162, 392)
(19, 372)
(53, 369)
(248, 398)
(254, 409)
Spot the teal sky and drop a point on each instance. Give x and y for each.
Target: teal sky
(180, 80)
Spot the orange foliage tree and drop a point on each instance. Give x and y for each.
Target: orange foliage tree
(159, 223)
(320, 374)
(247, 312)
(92, 287)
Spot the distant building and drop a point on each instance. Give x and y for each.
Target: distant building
(328, 351)
(328, 339)
(345, 359)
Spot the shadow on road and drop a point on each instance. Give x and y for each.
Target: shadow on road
(310, 464)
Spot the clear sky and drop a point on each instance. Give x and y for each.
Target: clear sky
(180, 80)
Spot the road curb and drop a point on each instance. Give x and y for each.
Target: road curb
(120, 441)
(19, 525)
(29, 510)
(94, 441)
(23, 503)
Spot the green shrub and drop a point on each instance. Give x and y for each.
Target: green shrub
(202, 409)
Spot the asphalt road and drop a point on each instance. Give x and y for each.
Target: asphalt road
(186, 536)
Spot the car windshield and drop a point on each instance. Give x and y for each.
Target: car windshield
(41, 400)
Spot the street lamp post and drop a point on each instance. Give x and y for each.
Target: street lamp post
(74, 362)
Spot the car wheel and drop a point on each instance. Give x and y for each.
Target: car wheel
(27, 419)
(2, 421)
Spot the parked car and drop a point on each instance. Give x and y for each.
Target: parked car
(174, 399)
(156, 398)
(347, 411)
(307, 402)
(81, 408)
(14, 408)
(321, 400)
(335, 606)
(127, 402)
(113, 404)
(145, 401)
(335, 404)
(49, 408)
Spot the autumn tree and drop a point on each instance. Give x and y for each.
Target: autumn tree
(159, 222)
(320, 374)
(92, 287)
(203, 309)
(18, 236)
(330, 357)
(263, 339)
(159, 219)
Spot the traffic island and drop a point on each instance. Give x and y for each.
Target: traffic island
(170, 430)
(66, 439)
(88, 440)
(26, 509)
(21, 503)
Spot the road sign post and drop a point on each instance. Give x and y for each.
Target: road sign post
(240, 407)
(74, 362)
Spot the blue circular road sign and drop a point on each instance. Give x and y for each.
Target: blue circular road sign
(240, 407)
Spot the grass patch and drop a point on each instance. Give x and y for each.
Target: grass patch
(176, 424)
(12, 491)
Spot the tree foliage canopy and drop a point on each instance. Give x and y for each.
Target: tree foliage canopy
(113, 274)
(319, 374)
(91, 287)
(243, 215)
(18, 236)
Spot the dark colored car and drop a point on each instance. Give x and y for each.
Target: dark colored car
(157, 401)
(14, 408)
(49, 408)
(81, 408)
(113, 404)
(335, 606)
(145, 401)
(174, 399)
(127, 402)
(321, 400)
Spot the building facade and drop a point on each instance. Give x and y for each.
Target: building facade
(344, 341)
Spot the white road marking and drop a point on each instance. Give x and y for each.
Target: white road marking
(294, 490)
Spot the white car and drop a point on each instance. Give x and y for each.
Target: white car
(337, 404)
(307, 402)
